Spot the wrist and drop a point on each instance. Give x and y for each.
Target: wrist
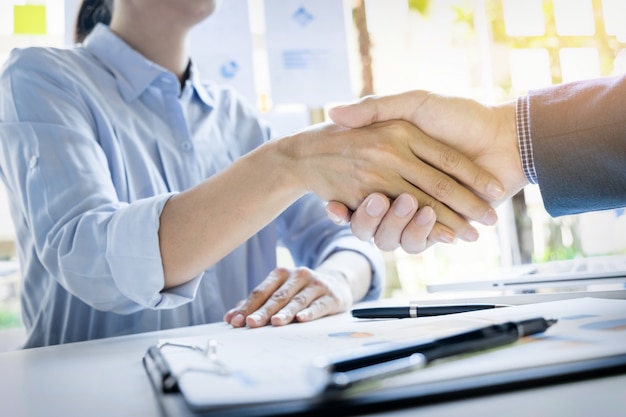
(286, 157)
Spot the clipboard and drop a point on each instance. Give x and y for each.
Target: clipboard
(453, 379)
(172, 403)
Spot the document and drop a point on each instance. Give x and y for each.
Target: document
(307, 49)
(237, 367)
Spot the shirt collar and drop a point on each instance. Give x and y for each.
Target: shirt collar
(133, 72)
(198, 86)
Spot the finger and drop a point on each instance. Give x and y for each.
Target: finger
(280, 298)
(230, 313)
(389, 232)
(373, 109)
(451, 169)
(321, 307)
(258, 296)
(338, 213)
(415, 235)
(431, 116)
(298, 303)
(368, 216)
(449, 225)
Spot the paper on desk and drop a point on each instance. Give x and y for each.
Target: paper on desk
(587, 328)
(274, 363)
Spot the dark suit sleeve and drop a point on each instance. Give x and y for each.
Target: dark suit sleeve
(579, 145)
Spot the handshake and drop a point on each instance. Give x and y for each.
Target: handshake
(435, 163)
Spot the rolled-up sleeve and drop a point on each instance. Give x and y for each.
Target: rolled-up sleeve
(102, 249)
(137, 269)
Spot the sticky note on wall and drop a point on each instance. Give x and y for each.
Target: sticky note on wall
(29, 19)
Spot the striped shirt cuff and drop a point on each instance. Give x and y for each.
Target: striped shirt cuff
(522, 118)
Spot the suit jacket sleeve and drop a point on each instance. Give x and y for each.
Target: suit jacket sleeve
(579, 145)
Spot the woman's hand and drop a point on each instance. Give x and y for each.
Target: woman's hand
(392, 158)
(292, 294)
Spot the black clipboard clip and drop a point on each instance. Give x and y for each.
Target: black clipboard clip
(162, 375)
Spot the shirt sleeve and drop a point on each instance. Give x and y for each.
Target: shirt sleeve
(578, 136)
(102, 250)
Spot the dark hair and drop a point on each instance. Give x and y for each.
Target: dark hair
(90, 13)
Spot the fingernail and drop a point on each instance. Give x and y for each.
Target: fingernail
(471, 235)
(425, 216)
(304, 315)
(238, 320)
(335, 219)
(375, 206)
(490, 218)
(403, 205)
(254, 318)
(279, 318)
(495, 191)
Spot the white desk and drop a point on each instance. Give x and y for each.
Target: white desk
(107, 378)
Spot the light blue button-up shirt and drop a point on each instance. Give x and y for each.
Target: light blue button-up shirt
(93, 141)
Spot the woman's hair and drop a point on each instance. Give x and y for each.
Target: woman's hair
(90, 13)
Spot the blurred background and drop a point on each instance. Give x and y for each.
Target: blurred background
(296, 58)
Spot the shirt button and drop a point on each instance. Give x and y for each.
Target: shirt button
(32, 163)
(186, 145)
(165, 80)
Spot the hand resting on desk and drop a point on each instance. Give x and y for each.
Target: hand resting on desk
(302, 294)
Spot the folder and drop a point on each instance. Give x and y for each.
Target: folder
(255, 372)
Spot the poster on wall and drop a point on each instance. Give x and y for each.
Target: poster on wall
(307, 51)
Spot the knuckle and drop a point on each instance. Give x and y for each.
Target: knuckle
(256, 293)
(449, 159)
(303, 273)
(280, 296)
(443, 187)
(300, 300)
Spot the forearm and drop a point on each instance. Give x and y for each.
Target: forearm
(200, 226)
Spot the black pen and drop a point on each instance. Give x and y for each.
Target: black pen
(385, 359)
(414, 310)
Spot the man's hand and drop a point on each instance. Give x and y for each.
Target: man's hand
(394, 158)
(485, 135)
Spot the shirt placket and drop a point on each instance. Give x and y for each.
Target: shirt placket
(184, 157)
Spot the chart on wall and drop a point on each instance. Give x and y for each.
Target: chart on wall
(308, 51)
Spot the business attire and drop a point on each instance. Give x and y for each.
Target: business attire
(93, 141)
(573, 144)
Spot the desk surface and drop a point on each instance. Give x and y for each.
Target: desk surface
(106, 378)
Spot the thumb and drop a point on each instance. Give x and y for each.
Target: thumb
(372, 109)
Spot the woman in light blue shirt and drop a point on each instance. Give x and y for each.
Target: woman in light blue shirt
(146, 199)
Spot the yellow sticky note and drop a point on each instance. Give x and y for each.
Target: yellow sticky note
(29, 19)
